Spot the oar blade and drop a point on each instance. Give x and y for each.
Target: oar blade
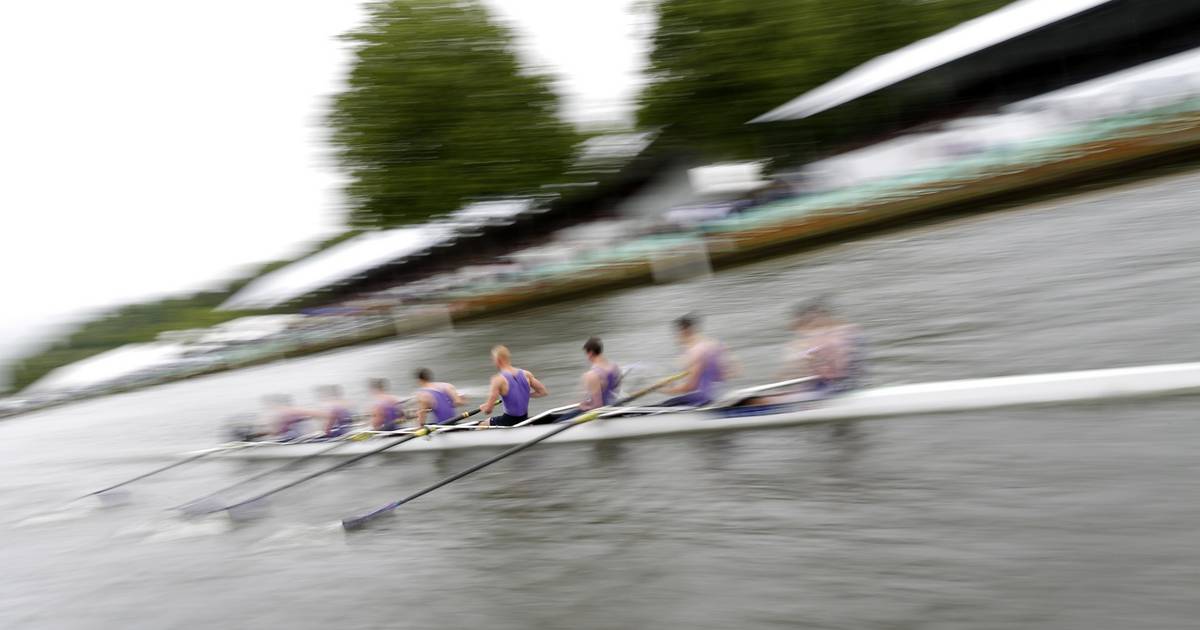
(115, 497)
(200, 507)
(354, 523)
(248, 511)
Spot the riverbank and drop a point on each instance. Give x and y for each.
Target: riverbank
(1155, 150)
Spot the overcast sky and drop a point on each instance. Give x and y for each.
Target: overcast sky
(151, 147)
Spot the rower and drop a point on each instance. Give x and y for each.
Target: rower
(600, 383)
(285, 419)
(334, 410)
(514, 387)
(826, 349)
(440, 399)
(385, 408)
(706, 363)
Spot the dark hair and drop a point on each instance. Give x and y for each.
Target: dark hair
(686, 322)
(378, 383)
(593, 345)
(817, 306)
(424, 374)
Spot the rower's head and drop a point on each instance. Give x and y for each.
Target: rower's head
(424, 376)
(686, 327)
(811, 314)
(278, 400)
(378, 385)
(593, 348)
(501, 357)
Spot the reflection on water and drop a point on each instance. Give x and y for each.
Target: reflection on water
(1067, 517)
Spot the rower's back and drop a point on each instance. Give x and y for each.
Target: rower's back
(516, 397)
(443, 402)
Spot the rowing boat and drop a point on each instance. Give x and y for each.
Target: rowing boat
(895, 400)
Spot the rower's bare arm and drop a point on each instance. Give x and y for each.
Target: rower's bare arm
(493, 393)
(422, 407)
(538, 390)
(457, 398)
(693, 376)
(594, 387)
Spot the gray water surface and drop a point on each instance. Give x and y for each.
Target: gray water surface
(1080, 516)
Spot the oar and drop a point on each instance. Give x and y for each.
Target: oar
(357, 522)
(105, 493)
(740, 395)
(243, 509)
(206, 505)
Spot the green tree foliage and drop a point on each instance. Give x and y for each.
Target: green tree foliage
(438, 111)
(716, 64)
(134, 323)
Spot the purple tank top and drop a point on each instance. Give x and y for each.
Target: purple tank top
(290, 427)
(516, 401)
(389, 411)
(443, 405)
(342, 419)
(711, 374)
(610, 381)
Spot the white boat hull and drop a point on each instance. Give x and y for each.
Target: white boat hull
(897, 400)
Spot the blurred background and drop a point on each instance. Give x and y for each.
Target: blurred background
(203, 205)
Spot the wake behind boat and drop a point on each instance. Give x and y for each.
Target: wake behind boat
(896, 400)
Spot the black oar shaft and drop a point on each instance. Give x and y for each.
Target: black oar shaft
(359, 521)
(426, 430)
(186, 460)
(266, 473)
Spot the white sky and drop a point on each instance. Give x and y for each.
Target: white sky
(151, 147)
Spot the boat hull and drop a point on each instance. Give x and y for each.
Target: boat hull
(897, 400)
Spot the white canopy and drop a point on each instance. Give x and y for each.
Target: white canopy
(342, 261)
(107, 366)
(969, 37)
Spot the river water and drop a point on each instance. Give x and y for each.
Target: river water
(1080, 516)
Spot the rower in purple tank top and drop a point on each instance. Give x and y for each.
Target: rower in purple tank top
(335, 411)
(514, 387)
(706, 362)
(286, 420)
(602, 381)
(438, 399)
(386, 409)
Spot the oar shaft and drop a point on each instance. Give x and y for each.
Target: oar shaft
(426, 430)
(270, 471)
(186, 460)
(455, 477)
(359, 521)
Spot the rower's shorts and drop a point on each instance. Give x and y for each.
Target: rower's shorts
(690, 399)
(506, 420)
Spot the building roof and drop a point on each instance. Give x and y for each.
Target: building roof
(338, 263)
(1019, 18)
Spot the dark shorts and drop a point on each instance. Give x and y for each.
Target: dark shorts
(506, 420)
(690, 399)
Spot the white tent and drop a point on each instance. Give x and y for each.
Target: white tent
(336, 264)
(969, 37)
(109, 365)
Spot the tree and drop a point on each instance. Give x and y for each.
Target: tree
(438, 111)
(716, 64)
